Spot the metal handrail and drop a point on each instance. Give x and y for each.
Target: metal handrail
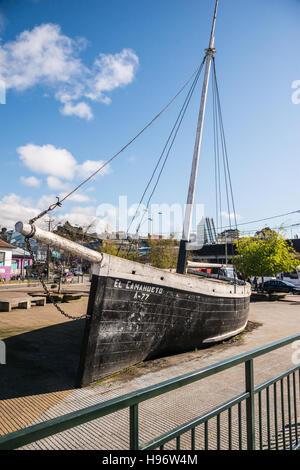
(131, 400)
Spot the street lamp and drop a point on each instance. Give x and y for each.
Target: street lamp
(151, 219)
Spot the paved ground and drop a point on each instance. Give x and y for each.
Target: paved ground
(18, 285)
(42, 355)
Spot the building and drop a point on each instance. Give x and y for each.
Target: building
(13, 261)
(18, 241)
(5, 260)
(215, 253)
(224, 252)
(228, 235)
(21, 259)
(206, 231)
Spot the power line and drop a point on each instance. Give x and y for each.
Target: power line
(262, 220)
(283, 227)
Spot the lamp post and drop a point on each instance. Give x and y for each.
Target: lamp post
(151, 220)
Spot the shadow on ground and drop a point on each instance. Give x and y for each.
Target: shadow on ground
(41, 361)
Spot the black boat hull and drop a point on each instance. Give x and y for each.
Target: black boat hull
(132, 321)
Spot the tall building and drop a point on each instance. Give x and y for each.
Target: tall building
(206, 231)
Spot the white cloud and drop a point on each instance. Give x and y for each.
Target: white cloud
(87, 210)
(45, 56)
(112, 71)
(46, 200)
(47, 159)
(81, 110)
(89, 167)
(230, 215)
(42, 55)
(59, 165)
(13, 208)
(55, 183)
(31, 181)
(94, 224)
(76, 197)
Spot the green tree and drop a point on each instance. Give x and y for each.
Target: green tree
(163, 253)
(264, 256)
(126, 252)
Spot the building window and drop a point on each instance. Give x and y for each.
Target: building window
(2, 258)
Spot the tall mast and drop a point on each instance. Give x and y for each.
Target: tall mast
(181, 265)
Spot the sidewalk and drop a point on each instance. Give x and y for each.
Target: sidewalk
(52, 394)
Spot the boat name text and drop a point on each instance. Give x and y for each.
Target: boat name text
(138, 287)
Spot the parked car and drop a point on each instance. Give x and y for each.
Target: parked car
(65, 277)
(68, 277)
(76, 272)
(281, 287)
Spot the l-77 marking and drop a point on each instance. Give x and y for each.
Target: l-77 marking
(141, 297)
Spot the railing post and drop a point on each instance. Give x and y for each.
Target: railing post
(134, 427)
(250, 412)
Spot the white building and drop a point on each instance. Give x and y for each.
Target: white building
(5, 260)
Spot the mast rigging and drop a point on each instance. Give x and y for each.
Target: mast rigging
(182, 257)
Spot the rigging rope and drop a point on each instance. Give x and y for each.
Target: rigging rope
(173, 132)
(60, 201)
(219, 128)
(226, 161)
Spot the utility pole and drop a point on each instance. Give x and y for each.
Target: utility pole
(181, 265)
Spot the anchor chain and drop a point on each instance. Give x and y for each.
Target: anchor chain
(47, 291)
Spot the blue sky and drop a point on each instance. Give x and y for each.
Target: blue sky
(82, 78)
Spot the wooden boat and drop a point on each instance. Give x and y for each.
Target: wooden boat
(137, 312)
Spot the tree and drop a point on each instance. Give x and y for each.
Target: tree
(163, 253)
(111, 248)
(3, 234)
(267, 256)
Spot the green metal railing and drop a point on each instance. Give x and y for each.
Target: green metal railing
(279, 417)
